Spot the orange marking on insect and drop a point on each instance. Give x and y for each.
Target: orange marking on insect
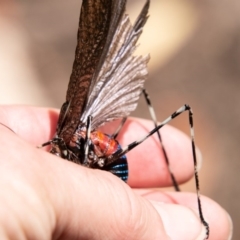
(106, 144)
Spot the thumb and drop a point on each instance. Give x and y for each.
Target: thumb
(98, 205)
(94, 204)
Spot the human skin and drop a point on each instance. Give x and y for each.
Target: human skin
(45, 197)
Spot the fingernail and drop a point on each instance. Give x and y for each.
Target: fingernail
(199, 158)
(180, 222)
(231, 227)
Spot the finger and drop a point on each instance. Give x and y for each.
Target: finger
(35, 125)
(219, 221)
(126, 215)
(147, 166)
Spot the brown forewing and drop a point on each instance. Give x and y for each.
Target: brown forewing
(95, 30)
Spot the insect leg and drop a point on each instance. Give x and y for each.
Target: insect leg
(153, 116)
(182, 109)
(86, 145)
(119, 128)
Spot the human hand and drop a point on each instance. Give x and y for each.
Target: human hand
(45, 197)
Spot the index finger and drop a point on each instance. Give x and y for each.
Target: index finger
(147, 165)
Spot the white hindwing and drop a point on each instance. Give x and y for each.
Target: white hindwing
(121, 78)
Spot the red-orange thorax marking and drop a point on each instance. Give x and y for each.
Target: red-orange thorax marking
(105, 143)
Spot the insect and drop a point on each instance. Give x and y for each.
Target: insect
(106, 83)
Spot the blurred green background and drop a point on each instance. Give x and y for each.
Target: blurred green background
(195, 59)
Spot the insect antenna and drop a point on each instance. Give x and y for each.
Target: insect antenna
(119, 128)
